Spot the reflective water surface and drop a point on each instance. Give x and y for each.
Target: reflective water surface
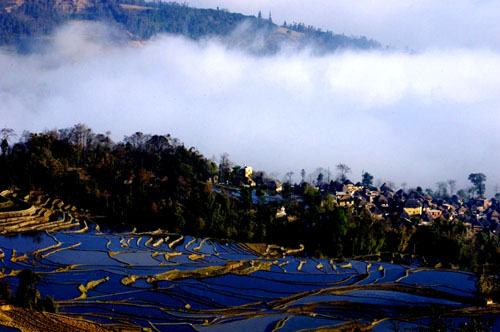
(168, 282)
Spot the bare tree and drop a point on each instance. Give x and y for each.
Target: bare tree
(137, 140)
(224, 159)
(7, 134)
(80, 135)
(442, 189)
(343, 170)
(224, 167)
(452, 184)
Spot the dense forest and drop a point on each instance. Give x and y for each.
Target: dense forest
(142, 20)
(154, 181)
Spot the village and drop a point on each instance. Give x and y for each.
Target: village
(411, 208)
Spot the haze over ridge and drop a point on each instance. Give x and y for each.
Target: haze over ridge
(417, 118)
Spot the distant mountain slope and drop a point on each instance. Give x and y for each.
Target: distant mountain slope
(21, 20)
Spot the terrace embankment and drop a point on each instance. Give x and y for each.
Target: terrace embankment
(35, 212)
(29, 320)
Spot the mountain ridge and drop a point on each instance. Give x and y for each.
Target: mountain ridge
(24, 20)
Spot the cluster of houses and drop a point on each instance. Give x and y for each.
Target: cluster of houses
(411, 208)
(415, 207)
(247, 177)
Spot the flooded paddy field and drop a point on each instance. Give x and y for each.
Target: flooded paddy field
(170, 282)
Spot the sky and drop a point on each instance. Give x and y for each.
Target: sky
(415, 117)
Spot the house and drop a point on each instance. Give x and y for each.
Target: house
(361, 197)
(404, 216)
(434, 213)
(375, 212)
(247, 173)
(385, 188)
(447, 215)
(413, 207)
(344, 199)
(371, 194)
(342, 194)
(401, 194)
(382, 202)
(426, 220)
(350, 187)
(462, 210)
(280, 213)
(482, 204)
(273, 185)
(335, 186)
(493, 215)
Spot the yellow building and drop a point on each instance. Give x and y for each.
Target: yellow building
(248, 171)
(413, 207)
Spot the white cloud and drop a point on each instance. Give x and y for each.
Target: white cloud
(417, 118)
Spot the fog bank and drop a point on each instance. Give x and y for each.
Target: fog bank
(418, 118)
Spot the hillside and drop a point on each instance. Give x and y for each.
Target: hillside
(23, 20)
(154, 181)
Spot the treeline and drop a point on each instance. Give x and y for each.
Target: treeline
(148, 181)
(154, 181)
(147, 19)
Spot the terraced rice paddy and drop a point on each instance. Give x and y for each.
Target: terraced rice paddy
(169, 282)
(19, 215)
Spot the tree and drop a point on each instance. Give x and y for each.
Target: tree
(4, 146)
(320, 179)
(462, 194)
(367, 179)
(452, 184)
(81, 135)
(5, 291)
(6, 134)
(27, 293)
(224, 167)
(137, 140)
(224, 159)
(289, 177)
(442, 189)
(478, 180)
(319, 175)
(303, 174)
(343, 170)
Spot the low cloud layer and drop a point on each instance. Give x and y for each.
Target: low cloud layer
(418, 118)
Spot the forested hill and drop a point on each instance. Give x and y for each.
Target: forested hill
(23, 20)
